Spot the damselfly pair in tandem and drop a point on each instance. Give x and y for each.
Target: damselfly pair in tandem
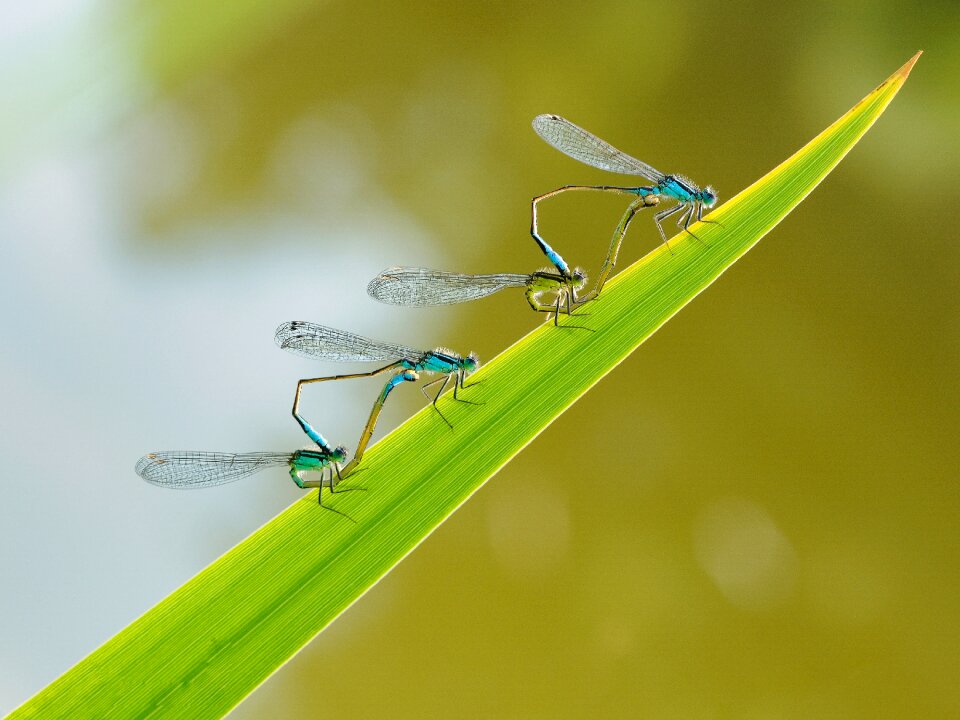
(197, 469)
(413, 286)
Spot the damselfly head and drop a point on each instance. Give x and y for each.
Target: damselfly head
(470, 363)
(579, 278)
(708, 196)
(339, 454)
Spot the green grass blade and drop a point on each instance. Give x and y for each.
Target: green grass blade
(203, 649)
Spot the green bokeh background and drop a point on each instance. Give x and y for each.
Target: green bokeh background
(753, 517)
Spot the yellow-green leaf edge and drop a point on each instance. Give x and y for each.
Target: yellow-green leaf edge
(204, 648)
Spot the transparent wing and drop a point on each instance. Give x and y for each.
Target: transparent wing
(589, 149)
(197, 469)
(323, 343)
(420, 286)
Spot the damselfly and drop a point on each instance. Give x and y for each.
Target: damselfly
(188, 469)
(589, 149)
(323, 343)
(419, 286)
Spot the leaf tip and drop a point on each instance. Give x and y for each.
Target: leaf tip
(904, 72)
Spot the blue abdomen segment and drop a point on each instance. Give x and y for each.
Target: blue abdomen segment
(553, 256)
(313, 434)
(557, 261)
(392, 383)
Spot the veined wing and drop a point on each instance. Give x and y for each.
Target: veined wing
(323, 343)
(420, 286)
(589, 149)
(197, 469)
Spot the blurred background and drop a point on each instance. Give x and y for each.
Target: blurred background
(765, 524)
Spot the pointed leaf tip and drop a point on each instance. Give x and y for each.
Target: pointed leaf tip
(904, 72)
